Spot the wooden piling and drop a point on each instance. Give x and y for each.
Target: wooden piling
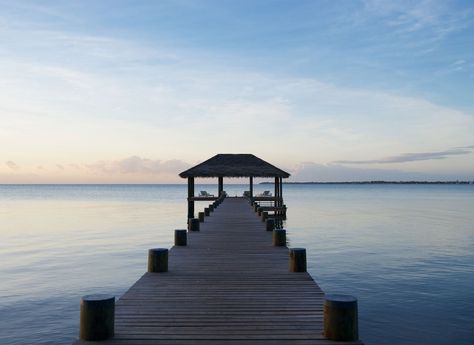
(201, 216)
(158, 260)
(270, 224)
(97, 317)
(193, 224)
(279, 237)
(340, 318)
(297, 260)
(180, 237)
(264, 216)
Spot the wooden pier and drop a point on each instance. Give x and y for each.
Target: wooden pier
(229, 285)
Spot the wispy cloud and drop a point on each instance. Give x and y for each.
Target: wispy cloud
(133, 169)
(12, 165)
(138, 165)
(409, 16)
(412, 157)
(418, 27)
(459, 62)
(310, 171)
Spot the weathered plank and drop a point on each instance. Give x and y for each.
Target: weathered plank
(229, 285)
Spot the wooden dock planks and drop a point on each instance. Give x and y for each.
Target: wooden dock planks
(228, 286)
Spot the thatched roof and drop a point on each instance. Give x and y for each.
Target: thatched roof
(234, 165)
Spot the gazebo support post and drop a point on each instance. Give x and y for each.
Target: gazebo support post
(277, 190)
(251, 186)
(281, 191)
(221, 185)
(190, 197)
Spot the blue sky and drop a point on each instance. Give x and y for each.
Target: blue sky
(135, 91)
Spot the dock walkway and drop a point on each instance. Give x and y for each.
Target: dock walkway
(229, 285)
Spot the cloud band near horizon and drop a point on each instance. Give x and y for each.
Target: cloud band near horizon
(412, 157)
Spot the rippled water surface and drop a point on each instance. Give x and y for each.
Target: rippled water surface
(406, 252)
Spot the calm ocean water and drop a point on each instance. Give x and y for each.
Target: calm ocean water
(406, 252)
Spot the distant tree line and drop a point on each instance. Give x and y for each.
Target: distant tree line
(380, 182)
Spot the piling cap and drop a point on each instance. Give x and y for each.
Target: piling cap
(158, 250)
(97, 298)
(298, 249)
(340, 300)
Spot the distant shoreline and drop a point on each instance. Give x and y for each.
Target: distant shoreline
(380, 182)
(237, 184)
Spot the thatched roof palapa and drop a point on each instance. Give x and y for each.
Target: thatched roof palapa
(234, 165)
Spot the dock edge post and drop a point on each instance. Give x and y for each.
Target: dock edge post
(270, 224)
(297, 260)
(279, 237)
(341, 317)
(193, 224)
(180, 237)
(97, 317)
(201, 216)
(158, 260)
